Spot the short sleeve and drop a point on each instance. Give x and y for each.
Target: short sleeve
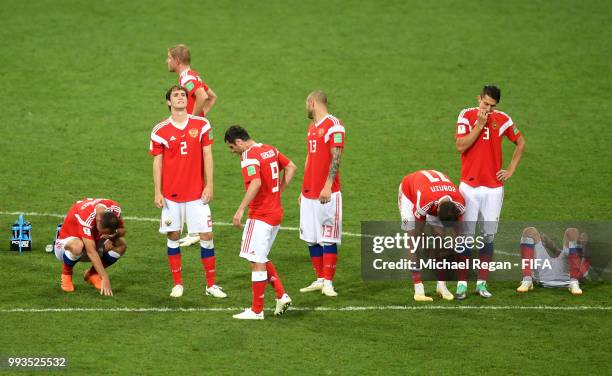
(510, 130)
(191, 84)
(335, 136)
(282, 160)
(206, 135)
(156, 144)
(250, 169)
(463, 125)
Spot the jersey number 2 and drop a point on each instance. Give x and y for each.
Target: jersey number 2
(183, 147)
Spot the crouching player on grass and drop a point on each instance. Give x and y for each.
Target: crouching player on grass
(551, 266)
(261, 169)
(428, 196)
(92, 231)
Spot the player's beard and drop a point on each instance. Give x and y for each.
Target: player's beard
(310, 113)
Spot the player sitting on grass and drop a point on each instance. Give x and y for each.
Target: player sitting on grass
(543, 261)
(92, 231)
(262, 166)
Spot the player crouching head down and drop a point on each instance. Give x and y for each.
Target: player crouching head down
(448, 213)
(266, 173)
(92, 231)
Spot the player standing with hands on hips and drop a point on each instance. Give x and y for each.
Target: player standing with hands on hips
(321, 200)
(181, 147)
(479, 135)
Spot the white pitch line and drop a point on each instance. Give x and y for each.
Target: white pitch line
(146, 219)
(315, 309)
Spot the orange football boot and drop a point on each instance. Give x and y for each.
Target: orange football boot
(67, 284)
(93, 278)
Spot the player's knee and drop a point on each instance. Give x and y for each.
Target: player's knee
(533, 233)
(120, 246)
(174, 235)
(206, 236)
(75, 246)
(572, 234)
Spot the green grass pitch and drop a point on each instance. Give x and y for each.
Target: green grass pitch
(83, 85)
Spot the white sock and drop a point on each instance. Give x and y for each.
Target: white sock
(527, 279)
(479, 281)
(441, 284)
(462, 283)
(419, 289)
(320, 280)
(328, 283)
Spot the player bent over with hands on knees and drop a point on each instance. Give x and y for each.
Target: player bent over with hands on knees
(262, 166)
(479, 134)
(91, 231)
(544, 261)
(181, 146)
(321, 199)
(428, 196)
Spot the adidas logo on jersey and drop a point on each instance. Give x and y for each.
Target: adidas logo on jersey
(172, 138)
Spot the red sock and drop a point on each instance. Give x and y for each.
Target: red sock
(526, 254)
(175, 268)
(441, 274)
(209, 270)
(317, 264)
(274, 280)
(483, 273)
(259, 288)
(416, 276)
(462, 272)
(585, 266)
(329, 265)
(67, 270)
(574, 265)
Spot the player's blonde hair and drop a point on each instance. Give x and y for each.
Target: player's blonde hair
(318, 96)
(181, 53)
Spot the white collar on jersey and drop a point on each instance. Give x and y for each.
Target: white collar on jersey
(321, 121)
(185, 71)
(255, 144)
(180, 126)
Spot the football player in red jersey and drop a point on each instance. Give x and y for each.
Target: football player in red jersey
(91, 231)
(321, 199)
(262, 166)
(200, 98)
(479, 134)
(181, 147)
(428, 196)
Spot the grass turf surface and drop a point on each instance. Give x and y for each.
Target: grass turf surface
(85, 85)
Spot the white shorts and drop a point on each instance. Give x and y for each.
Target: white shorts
(556, 273)
(195, 213)
(60, 247)
(406, 208)
(257, 240)
(321, 223)
(481, 204)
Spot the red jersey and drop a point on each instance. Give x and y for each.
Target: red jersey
(182, 161)
(264, 162)
(191, 80)
(81, 218)
(322, 137)
(425, 188)
(483, 159)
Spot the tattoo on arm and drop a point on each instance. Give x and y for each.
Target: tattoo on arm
(335, 163)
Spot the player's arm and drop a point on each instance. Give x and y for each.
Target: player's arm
(465, 142)
(94, 257)
(516, 158)
(200, 100)
(250, 194)
(288, 173)
(207, 193)
(210, 100)
(157, 178)
(334, 167)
